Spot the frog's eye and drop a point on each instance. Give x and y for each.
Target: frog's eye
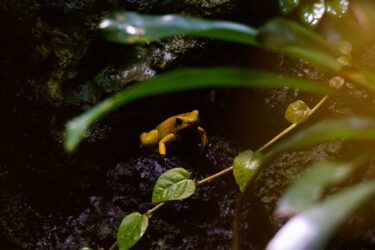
(179, 122)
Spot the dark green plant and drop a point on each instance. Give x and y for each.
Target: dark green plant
(312, 11)
(278, 35)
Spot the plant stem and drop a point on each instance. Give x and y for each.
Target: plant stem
(150, 212)
(209, 178)
(113, 246)
(277, 137)
(318, 105)
(269, 143)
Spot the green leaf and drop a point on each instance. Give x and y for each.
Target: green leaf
(131, 230)
(307, 189)
(175, 184)
(180, 80)
(329, 130)
(289, 38)
(131, 27)
(337, 8)
(286, 6)
(297, 112)
(86, 248)
(245, 167)
(312, 229)
(312, 11)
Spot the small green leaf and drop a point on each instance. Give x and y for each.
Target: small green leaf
(86, 248)
(175, 184)
(312, 229)
(286, 6)
(337, 8)
(312, 11)
(131, 27)
(245, 167)
(311, 185)
(297, 112)
(329, 130)
(131, 230)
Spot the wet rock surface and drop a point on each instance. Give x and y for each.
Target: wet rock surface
(127, 188)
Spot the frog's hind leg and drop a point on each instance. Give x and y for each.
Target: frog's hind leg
(203, 135)
(168, 138)
(149, 138)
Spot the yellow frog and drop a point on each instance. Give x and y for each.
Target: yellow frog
(167, 131)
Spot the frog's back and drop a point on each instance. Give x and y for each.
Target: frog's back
(166, 127)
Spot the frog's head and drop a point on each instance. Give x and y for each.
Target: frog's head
(187, 120)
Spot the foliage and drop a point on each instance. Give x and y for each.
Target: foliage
(312, 228)
(278, 35)
(131, 229)
(175, 184)
(311, 12)
(245, 167)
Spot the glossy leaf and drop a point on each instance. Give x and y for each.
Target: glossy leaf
(245, 167)
(312, 229)
(310, 186)
(297, 112)
(289, 38)
(286, 6)
(329, 130)
(180, 80)
(337, 8)
(131, 230)
(175, 184)
(131, 27)
(312, 11)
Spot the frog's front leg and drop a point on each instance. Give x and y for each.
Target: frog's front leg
(203, 135)
(149, 138)
(168, 138)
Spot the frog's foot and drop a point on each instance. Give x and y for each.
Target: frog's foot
(150, 138)
(203, 134)
(168, 138)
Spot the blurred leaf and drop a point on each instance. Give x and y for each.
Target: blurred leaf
(286, 6)
(175, 184)
(131, 230)
(337, 8)
(130, 27)
(310, 186)
(312, 11)
(312, 229)
(86, 248)
(245, 167)
(289, 38)
(329, 130)
(180, 80)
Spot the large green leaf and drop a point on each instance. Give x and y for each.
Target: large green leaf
(130, 27)
(337, 8)
(287, 37)
(245, 167)
(287, 6)
(175, 184)
(312, 11)
(329, 130)
(131, 230)
(311, 185)
(180, 80)
(312, 229)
